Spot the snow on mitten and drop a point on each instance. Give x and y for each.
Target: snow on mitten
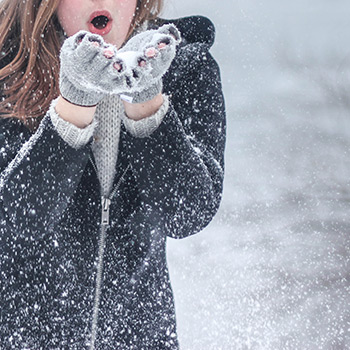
(148, 56)
(90, 69)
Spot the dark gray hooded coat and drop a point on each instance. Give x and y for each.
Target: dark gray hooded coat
(168, 184)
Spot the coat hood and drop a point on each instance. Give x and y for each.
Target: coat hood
(193, 29)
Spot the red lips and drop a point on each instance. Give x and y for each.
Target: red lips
(100, 22)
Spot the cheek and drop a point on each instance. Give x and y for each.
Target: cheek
(68, 13)
(126, 10)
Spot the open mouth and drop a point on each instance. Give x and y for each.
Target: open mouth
(100, 22)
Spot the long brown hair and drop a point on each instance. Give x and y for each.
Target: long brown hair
(30, 40)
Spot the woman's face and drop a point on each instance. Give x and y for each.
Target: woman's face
(109, 18)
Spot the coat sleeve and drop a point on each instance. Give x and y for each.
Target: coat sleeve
(179, 168)
(39, 174)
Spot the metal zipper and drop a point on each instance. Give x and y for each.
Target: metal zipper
(98, 286)
(105, 202)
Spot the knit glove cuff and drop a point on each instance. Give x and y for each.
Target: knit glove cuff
(146, 126)
(74, 136)
(77, 96)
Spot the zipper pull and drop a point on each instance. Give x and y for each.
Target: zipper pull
(106, 202)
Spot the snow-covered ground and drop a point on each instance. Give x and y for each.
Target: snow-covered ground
(272, 271)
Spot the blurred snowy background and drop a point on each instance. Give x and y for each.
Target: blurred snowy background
(272, 271)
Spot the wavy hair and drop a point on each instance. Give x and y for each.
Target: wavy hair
(30, 41)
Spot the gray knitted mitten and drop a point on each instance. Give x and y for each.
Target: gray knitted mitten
(87, 72)
(148, 56)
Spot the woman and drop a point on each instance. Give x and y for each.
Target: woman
(78, 272)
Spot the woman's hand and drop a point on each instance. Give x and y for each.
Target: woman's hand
(149, 55)
(90, 69)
